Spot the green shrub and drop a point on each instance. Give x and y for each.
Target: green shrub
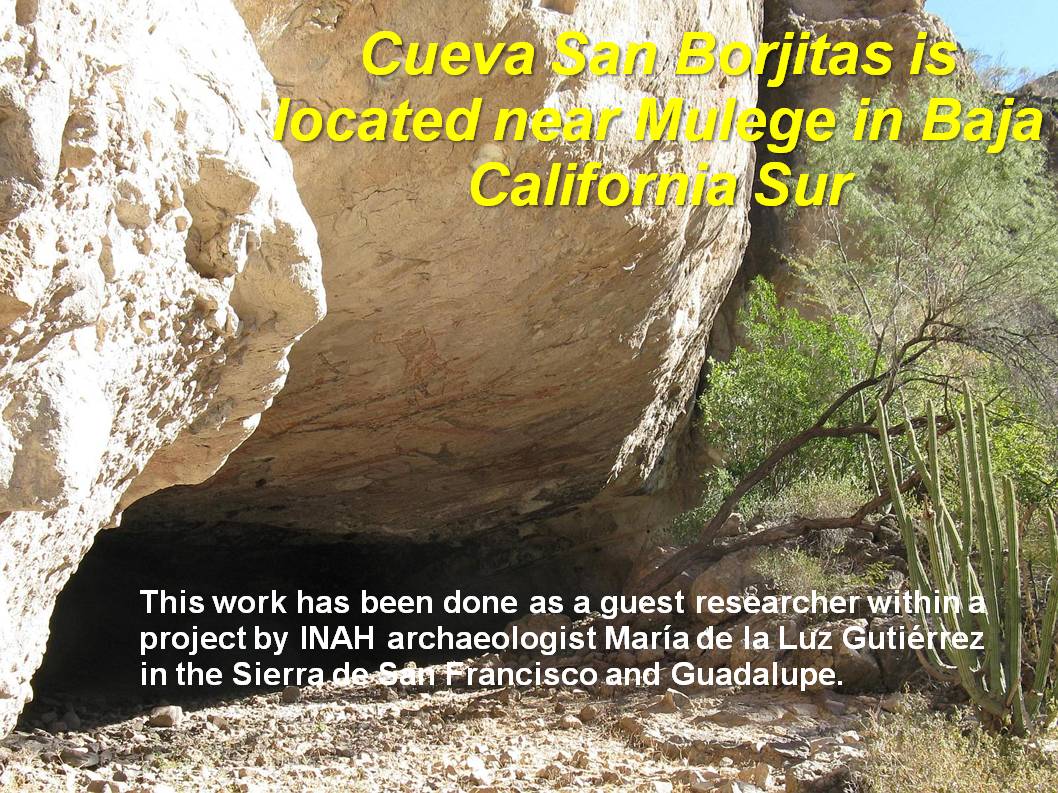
(1024, 448)
(789, 371)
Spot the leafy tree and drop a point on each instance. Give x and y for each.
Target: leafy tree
(1025, 448)
(938, 245)
(786, 373)
(943, 258)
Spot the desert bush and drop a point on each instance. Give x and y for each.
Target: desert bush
(937, 265)
(795, 571)
(921, 751)
(813, 496)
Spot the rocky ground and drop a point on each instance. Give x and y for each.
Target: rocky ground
(378, 738)
(373, 737)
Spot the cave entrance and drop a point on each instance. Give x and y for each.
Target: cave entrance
(93, 653)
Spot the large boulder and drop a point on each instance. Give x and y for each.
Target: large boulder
(729, 577)
(823, 647)
(479, 366)
(156, 264)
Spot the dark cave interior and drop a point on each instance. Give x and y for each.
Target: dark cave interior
(93, 653)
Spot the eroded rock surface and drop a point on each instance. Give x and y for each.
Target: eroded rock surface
(861, 22)
(1046, 86)
(478, 366)
(156, 264)
(898, 22)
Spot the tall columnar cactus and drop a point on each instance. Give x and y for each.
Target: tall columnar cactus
(973, 552)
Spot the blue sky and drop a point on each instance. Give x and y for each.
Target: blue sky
(1021, 32)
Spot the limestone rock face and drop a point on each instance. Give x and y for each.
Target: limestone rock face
(861, 22)
(483, 366)
(1044, 87)
(898, 22)
(156, 264)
